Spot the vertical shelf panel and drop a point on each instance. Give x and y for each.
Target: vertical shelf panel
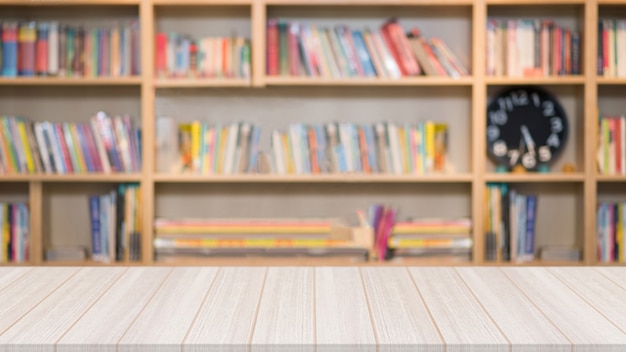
(259, 19)
(35, 204)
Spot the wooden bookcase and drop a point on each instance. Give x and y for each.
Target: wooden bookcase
(568, 218)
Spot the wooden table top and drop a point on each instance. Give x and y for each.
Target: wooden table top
(313, 309)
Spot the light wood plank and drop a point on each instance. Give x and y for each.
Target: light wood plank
(398, 313)
(342, 315)
(48, 321)
(328, 178)
(9, 275)
(578, 321)
(617, 275)
(460, 318)
(108, 319)
(35, 206)
(31, 288)
(285, 315)
(227, 317)
(168, 316)
(603, 294)
(523, 324)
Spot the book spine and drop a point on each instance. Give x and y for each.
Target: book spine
(531, 211)
(9, 49)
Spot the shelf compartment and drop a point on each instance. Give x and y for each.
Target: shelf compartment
(322, 178)
(551, 80)
(405, 81)
(611, 178)
(199, 83)
(535, 177)
(70, 81)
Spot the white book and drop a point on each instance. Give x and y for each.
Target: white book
(231, 144)
(511, 52)
(166, 144)
(621, 48)
(394, 145)
(106, 163)
(123, 144)
(53, 49)
(388, 61)
(277, 149)
(491, 48)
(170, 54)
(295, 139)
(43, 148)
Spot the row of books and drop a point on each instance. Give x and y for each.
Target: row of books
(200, 147)
(612, 48)
(611, 155)
(14, 232)
(510, 219)
(383, 147)
(299, 49)
(531, 48)
(180, 56)
(32, 48)
(106, 144)
(115, 220)
(611, 227)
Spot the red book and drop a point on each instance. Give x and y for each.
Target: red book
(67, 162)
(42, 50)
(567, 50)
(161, 55)
(385, 30)
(294, 51)
(272, 47)
(91, 146)
(605, 47)
(402, 48)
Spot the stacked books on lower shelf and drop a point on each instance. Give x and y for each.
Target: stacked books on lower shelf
(510, 220)
(383, 147)
(180, 56)
(14, 232)
(531, 48)
(31, 48)
(254, 237)
(611, 156)
(298, 49)
(611, 220)
(419, 238)
(116, 224)
(105, 144)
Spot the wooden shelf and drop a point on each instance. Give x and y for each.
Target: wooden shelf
(371, 2)
(341, 178)
(611, 2)
(611, 80)
(88, 263)
(611, 178)
(130, 177)
(68, 2)
(534, 177)
(202, 2)
(556, 80)
(405, 81)
(70, 81)
(535, 2)
(198, 83)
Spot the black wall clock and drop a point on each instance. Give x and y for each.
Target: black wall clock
(527, 126)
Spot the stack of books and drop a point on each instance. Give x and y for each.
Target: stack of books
(104, 145)
(612, 48)
(116, 224)
(531, 48)
(14, 232)
(55, 49)
(510, 220)
(383, 147)
(611, 155)
(180, 56)
(299, 49)
(201, 237)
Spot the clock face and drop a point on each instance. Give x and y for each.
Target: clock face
(525, 126)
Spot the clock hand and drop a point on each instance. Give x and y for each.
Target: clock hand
(528, 139)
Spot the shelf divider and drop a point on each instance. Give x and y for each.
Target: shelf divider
(35, 205)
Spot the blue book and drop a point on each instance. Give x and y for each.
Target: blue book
(9, 49)
(321, 148)
(371, 147)
(254, 148)
(82, 143)
(531, 209)
(356, 150)
(185, 55)
(94, 210)
(363, 55)
(305, 148)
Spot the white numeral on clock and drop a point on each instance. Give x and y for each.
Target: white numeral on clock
(553, 141)
(498, 117)
(557, 124)
(548, 108)
(529, 161)
(513, 156)
(499, 148)
(493, 133)
(544, 154)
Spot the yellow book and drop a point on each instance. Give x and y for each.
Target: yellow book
(430, 145)
(222, 150)
(245, 229)
(116, 67)
(404, 153)
(185, 147)
(30, 164)
(429, 243)
(196, 128)
(620, 232)
(77, 149)
(287, 148)
(5, 230)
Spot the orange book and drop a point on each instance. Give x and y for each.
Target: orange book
(313, 148)
(364, 151)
